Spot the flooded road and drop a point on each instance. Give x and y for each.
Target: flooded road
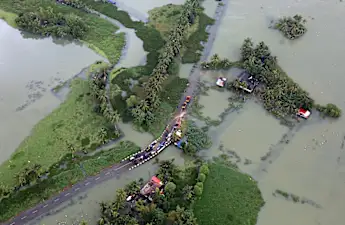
(86, 205)
(308, 161)
(29, 68)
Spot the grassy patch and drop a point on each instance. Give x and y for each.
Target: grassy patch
(229, 197)
(100, 35)
(164, 18)
(8, 17)
(194, 48)
(53, 136)
(60, 178)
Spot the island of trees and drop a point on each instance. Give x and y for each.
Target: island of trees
(279, 94)
(291, 27)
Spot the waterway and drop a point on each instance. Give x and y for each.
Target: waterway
(308, 161)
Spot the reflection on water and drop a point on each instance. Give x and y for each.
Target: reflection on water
(29, 68)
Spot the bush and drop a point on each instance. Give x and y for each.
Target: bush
(198, 190)
(329, 110)
(291, 27)
(201, 177)
(204, 169)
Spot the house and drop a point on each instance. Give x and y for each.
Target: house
(303, 113)
(247, 82)
(150, 187)
(221, 82)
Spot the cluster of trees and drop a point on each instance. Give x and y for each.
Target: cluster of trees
(281, 95)
(182, 187)
(216, 63)
(31, 174)
(291, 27)
(143, 111)
(47, 22)
(329, 110)
(99, 93)
(76, 4)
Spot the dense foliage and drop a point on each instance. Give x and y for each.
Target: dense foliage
(229, 198)
(70, 169)
(281, 95)
(197, 139)
(291, 27)
(216, 63)
(182, 187)
(47, 22)
(329, 110)
(143, 111)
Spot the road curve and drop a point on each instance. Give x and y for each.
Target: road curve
(113, 171)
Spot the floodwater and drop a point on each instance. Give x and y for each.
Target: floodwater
(308, 161)
(29, 68)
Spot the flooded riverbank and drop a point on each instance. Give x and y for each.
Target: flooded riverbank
(28, 71)
(309, 160)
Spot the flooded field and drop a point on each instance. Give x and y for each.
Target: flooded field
(309, 160)
(29, 68)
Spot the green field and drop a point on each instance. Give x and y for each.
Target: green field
(229, 198)
(71, 127)
(60, 178)
(100, 36)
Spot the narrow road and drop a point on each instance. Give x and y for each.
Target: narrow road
(124, 166)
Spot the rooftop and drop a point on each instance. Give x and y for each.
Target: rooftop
(249, 80)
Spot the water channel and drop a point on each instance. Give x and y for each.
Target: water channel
(308, 161)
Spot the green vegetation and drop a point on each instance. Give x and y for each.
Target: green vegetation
(150, 101)
(218, 192)
(71, 127)
(193, 49)
(8, 17)
(165, 18)
(216, 63)
(229, 197)
(291, 27)
(62, 20)
(67, 171)
(280, 95)
(197, 139)
(182, 187)
(329, 110)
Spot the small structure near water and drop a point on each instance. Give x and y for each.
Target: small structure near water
(303, 113)
(221, 81)
(247, 82)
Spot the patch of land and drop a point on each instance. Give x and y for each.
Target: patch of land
(99, 34)
(229, 197)
(65, 172)
(73, 126)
